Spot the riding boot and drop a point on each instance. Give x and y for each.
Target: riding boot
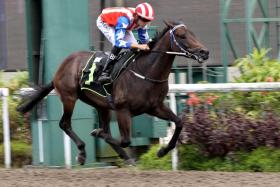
(105, 76)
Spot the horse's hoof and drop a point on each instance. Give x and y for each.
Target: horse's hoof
(81, 159)
(96, 132)
(125, 144)
(161, 152)
(130, 162)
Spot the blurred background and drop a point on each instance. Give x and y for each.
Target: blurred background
(204, 17)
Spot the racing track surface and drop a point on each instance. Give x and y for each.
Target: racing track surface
(130, 177)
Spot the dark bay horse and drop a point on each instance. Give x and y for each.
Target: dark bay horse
(141, 88)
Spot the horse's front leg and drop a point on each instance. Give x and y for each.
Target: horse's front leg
(115, 144)
(165, 113)
(124, 122)
(104, 133)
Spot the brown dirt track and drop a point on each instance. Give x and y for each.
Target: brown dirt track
(133, 177)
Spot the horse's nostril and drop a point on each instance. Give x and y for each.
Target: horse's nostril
(205, 52)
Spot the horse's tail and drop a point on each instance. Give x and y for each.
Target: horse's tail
(34, 98)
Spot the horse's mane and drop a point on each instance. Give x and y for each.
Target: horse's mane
(157, 37)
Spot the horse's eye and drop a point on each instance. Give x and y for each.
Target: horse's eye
(182, 36)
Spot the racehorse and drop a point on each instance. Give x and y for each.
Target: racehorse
(141, 88)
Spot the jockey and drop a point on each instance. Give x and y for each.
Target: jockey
(116, 24)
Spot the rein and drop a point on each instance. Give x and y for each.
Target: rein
(187, 54)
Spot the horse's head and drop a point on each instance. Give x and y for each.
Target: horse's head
(183, 40)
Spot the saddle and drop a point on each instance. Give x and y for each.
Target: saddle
(94, 67)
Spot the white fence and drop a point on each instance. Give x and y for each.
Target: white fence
(4, 93)
(173, 88)
(224, 87)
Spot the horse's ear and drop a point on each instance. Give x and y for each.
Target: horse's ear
(181, 21)
(168, 24)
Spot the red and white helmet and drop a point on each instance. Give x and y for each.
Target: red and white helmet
(145, 10)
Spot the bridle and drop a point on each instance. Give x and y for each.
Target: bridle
(173, 38)
(183, 52)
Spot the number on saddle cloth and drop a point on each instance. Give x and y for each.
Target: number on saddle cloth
(94, 67)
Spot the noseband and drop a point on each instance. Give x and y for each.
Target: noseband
(184, 52)
(173, 38)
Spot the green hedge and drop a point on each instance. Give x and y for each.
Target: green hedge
(150, 160)
(19, 125)
(21, 154)
(262, 159)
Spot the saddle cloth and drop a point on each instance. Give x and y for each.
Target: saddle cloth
(94, 67)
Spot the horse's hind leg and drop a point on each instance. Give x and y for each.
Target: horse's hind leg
(65, 125)
(104, 120)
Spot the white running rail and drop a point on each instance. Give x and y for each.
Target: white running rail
(4, 93)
